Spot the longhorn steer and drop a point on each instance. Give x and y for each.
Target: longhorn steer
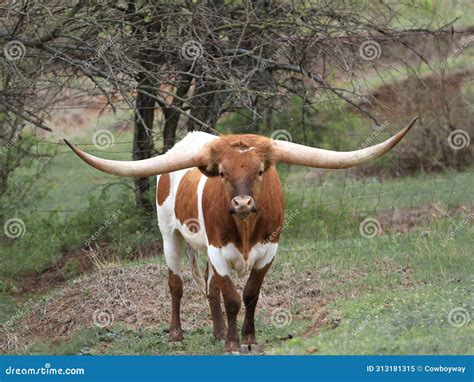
(223, 195)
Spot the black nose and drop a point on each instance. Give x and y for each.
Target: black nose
(242, 205)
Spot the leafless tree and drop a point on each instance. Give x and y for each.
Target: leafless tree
(194, 61)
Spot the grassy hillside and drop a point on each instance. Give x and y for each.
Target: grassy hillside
(331, 290)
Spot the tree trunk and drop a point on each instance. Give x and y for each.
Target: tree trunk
(149, 59)
(206, 106)
(172, 115)
(143, 139)
(169, 131)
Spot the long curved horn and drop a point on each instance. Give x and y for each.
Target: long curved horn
(179, 157)
(293, 153)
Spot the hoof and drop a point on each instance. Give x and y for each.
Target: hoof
(256, 348)
(176, 335)
(250, 349)
(232, 347)
(244, 349)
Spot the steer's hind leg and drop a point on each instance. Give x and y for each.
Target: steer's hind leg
(173, 249)
(214, 298)
(251, 294)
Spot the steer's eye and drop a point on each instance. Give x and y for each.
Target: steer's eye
(221, 174)
(260, 173)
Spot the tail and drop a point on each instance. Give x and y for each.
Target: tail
(193, 257)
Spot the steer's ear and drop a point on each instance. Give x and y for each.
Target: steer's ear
(210, 170)
(209, 156)
(267, 153)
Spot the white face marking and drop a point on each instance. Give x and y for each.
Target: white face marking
(244, 150)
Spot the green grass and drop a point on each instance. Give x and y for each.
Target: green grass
(335, 209)
(48, 236)
(68, 183)
(395, 322)
(433, 13)
(66, 205)
(410, 283)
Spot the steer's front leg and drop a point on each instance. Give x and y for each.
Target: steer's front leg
(251, 294)
(232, 308)
(214, 298)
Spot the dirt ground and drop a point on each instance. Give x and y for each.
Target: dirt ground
(138, 296)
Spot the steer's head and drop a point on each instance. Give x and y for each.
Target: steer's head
(240, 161)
